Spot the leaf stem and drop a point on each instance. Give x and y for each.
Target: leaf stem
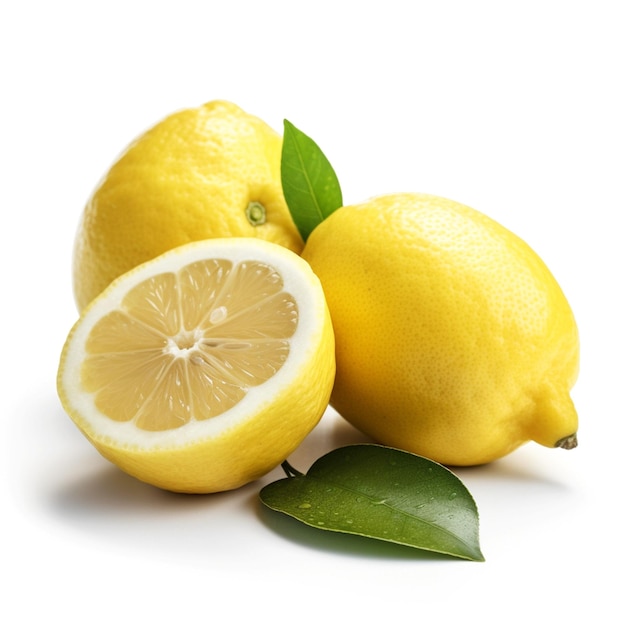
(289, 470)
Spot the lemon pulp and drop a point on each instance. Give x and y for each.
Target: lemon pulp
(188, 345)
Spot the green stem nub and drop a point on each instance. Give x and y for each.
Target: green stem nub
(255, 212)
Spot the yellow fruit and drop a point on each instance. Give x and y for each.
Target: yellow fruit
(454, 340)
(211, 171)
(202, 369)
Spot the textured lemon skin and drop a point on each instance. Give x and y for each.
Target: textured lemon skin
(454, 340)
(250, 448)
(190, 177)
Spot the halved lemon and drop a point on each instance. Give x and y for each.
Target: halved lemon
(203, 369)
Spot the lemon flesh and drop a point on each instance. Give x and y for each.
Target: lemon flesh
(454, 340)
(203, 369)
(207, 172)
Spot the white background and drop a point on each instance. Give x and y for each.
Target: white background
(515, 108)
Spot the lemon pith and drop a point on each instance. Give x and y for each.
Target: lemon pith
(207, 172)
(203, 369)
(454, 340)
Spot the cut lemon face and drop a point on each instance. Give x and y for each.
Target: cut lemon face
(203, 369)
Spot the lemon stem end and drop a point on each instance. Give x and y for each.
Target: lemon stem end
(255, 212)
(567, 443)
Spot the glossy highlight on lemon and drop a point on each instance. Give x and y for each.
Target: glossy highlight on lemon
(454, 340)
(207, 172)
(203, 369)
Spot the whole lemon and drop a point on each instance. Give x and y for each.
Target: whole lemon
(454, 341)
(206, 172)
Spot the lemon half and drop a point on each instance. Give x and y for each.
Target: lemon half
(203, 369)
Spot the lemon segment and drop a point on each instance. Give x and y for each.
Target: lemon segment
(454, 340)
(204, 368)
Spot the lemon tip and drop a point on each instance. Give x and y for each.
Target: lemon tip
(567, 443)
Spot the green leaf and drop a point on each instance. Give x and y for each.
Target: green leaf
(310, 185)
(383, 493)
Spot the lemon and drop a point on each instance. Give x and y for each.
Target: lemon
(201, 370)
(454, 340)
(205, 172)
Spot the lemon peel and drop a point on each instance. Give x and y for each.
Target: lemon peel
(200, 173)
(454, 340)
